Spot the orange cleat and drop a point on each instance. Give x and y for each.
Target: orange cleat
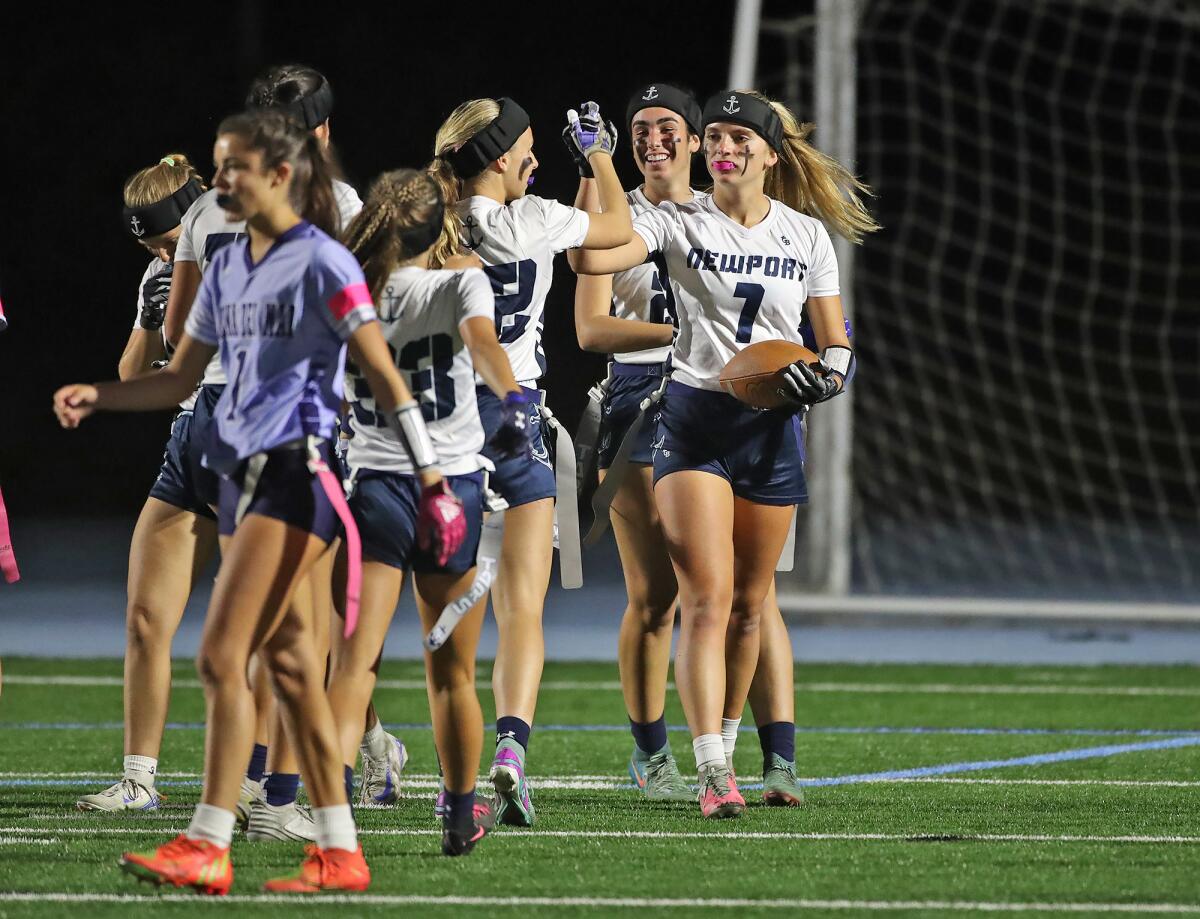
(325, 869)
(183, 862)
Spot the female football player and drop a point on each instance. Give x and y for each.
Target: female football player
(746, 262)
(484, 163)
(440, 328)
(631, 316)
(281, 305)
(176, 532)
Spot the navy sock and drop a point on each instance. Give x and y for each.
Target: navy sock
(282, 788)
(651, 736)
(258, 763)
(348, 775)
(513, 729)
(460, 811)
(778, 737)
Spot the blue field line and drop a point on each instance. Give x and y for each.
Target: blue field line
(1036, 759)
(622, 728)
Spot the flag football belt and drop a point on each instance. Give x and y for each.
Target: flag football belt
(602, 497)
(334, 490)
(491, 143)
(161, 216)
(566, 505)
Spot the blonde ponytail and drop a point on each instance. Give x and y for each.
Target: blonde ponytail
(160, 181)
(467, 120)
(815, 184)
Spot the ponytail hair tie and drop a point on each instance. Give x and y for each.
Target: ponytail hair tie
(170, 161)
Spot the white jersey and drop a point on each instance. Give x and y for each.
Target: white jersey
(205, 232)
(734, 285)
(155, 267)
(643, 293)
(517, 243)
(421, 312)
(348, 203)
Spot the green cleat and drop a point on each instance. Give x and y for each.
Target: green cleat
(514, 806)
(781, 788)
(657, 775)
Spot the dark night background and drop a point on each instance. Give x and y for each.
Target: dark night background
(1026, 419)
(90, 98)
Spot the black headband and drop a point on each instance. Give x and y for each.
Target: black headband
(311, 110)
(740, 108)
(419, 238)
(161, 216)
(491, 143)
(663, 95)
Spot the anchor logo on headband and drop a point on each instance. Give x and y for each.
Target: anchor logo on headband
(651, 93)
(138, 229)
(731, 106)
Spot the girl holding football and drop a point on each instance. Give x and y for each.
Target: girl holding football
(484, 162)
(281, 305)
(747, 263)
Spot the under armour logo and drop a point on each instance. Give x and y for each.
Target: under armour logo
(511, 735)
(731, 105)
(138, 229)
(651, 93)
(473, 239)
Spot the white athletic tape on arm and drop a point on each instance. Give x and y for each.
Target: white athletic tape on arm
(409, 425)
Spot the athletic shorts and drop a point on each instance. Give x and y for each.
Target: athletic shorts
(760, 454)
(629, 385)
(183, 481)
(522, 480)
(385, 506)
(286, 491)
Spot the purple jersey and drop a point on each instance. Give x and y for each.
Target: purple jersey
(280, 327)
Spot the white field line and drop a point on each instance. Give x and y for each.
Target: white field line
(958, 906)
(1047, 689)
(429, 781)
(584, 835)
(28, 841)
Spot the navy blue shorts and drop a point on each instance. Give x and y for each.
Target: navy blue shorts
(760, 454)
(183, 481)
(286, 491)
(524, 480)
(385, 505)
(630, 384)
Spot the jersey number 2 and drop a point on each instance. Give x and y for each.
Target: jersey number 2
(509, 321)
(753, 295)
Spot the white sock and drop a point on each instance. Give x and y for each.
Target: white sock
(141, 769)
(375, 741)
(214, 824)
(335, 827)
(709, 751)
(729, 731)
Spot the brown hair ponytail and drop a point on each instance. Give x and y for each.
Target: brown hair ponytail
(816, 184)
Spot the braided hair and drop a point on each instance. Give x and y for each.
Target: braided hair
(396, 201)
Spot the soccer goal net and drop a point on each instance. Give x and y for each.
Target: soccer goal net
(1027, 410)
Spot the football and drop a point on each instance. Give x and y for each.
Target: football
(754, 375)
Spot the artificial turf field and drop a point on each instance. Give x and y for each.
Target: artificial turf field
(935, 790)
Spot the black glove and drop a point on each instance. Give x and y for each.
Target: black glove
(805, 386)
(581, 163)
(154, 299)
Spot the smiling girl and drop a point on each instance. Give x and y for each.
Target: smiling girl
(749, 262)
(280, 306)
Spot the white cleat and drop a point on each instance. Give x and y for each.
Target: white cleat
(380, 786)
(126, 795)
(251, 792)
(280, 822)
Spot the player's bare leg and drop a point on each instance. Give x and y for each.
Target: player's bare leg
(169, 550)
(644, 642)
(454, 704)
(518, 598)
(773, 702)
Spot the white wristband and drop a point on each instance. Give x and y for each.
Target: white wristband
(409, 426)
(837, 358)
